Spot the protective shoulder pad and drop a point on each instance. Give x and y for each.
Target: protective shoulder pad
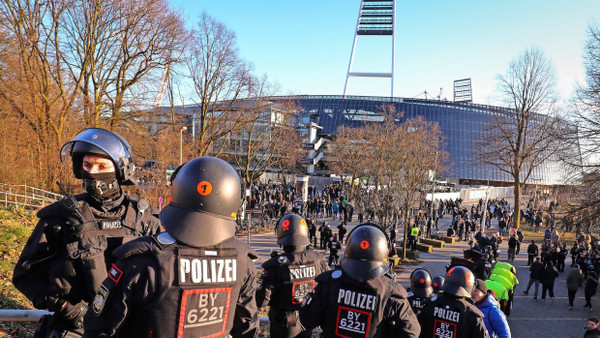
(243, 246)
(329, 275)
(398, 290)
(135, 247)
(273, 262)
(252, 254)
(59, 208)
(53, 210)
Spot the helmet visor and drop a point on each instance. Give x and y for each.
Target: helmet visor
(115, 148)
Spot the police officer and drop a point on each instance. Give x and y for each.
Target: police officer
(69, 252)
(414, 235)
(195, 280)
(420, 289)
(362, 298)
(437, 282)
(288, 277)
(453, 313)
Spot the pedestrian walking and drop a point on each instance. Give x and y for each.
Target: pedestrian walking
(512, 247)
(535, 276)
(342, 231)
(591, 285)
(548, 277)
(574, 281)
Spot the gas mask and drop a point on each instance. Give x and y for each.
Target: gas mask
(102, 186)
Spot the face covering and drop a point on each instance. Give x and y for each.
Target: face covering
(102, 186)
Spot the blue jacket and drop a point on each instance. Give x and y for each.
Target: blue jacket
(494, 319)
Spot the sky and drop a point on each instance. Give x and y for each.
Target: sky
(305, 46)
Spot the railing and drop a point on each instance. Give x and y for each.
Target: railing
(28, 197)
(35, 315)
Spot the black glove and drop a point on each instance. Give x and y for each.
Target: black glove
(73, 313)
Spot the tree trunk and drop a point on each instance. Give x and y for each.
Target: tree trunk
(405, 234)
(517, 206)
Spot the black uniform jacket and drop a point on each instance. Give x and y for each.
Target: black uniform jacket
(450, 316)
(161, 288)
(346, 307)
(68, 254)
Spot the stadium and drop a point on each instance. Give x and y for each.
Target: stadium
(462, 125)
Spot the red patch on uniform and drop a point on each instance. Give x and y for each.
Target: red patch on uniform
(115, 273)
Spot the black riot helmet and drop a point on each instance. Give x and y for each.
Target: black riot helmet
(206, 195)
(437, 282)
(292, 230)
(104, 143)
(366, 253)
(460, 281)
(420, 283)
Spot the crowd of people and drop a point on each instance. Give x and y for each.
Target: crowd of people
(109, 264)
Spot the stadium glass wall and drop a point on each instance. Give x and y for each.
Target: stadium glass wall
(462, 124)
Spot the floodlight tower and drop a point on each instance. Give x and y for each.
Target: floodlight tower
(375, 18)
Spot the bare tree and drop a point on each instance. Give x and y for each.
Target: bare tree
(347, 160)
(584, 141)
(220, 77)
(388, 163)
(525, 135)
(37, 91)
(262, 142)
(120, 48)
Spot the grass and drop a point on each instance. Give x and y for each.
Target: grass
(15, 227)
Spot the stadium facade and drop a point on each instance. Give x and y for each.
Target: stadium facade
(462, 125)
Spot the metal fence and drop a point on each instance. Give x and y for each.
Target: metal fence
(35, 315)
(27, 197)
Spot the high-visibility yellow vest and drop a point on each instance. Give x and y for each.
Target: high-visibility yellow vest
(414, 231)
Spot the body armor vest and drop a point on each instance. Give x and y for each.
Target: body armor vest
(197, 295)
(299, 280)
(87, 242)
(357, 307)
(417, 303)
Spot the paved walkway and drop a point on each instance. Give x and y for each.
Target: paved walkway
(528, 318)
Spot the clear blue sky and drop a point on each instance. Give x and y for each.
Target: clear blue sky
(305, 46)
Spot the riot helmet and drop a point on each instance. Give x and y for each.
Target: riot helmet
(420, 283)
(292, 230)
(460, 282)
(97, 141)
(366, 253)
(437, 282)
(205, 197)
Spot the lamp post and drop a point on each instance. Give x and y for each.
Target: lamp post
(181, 144)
